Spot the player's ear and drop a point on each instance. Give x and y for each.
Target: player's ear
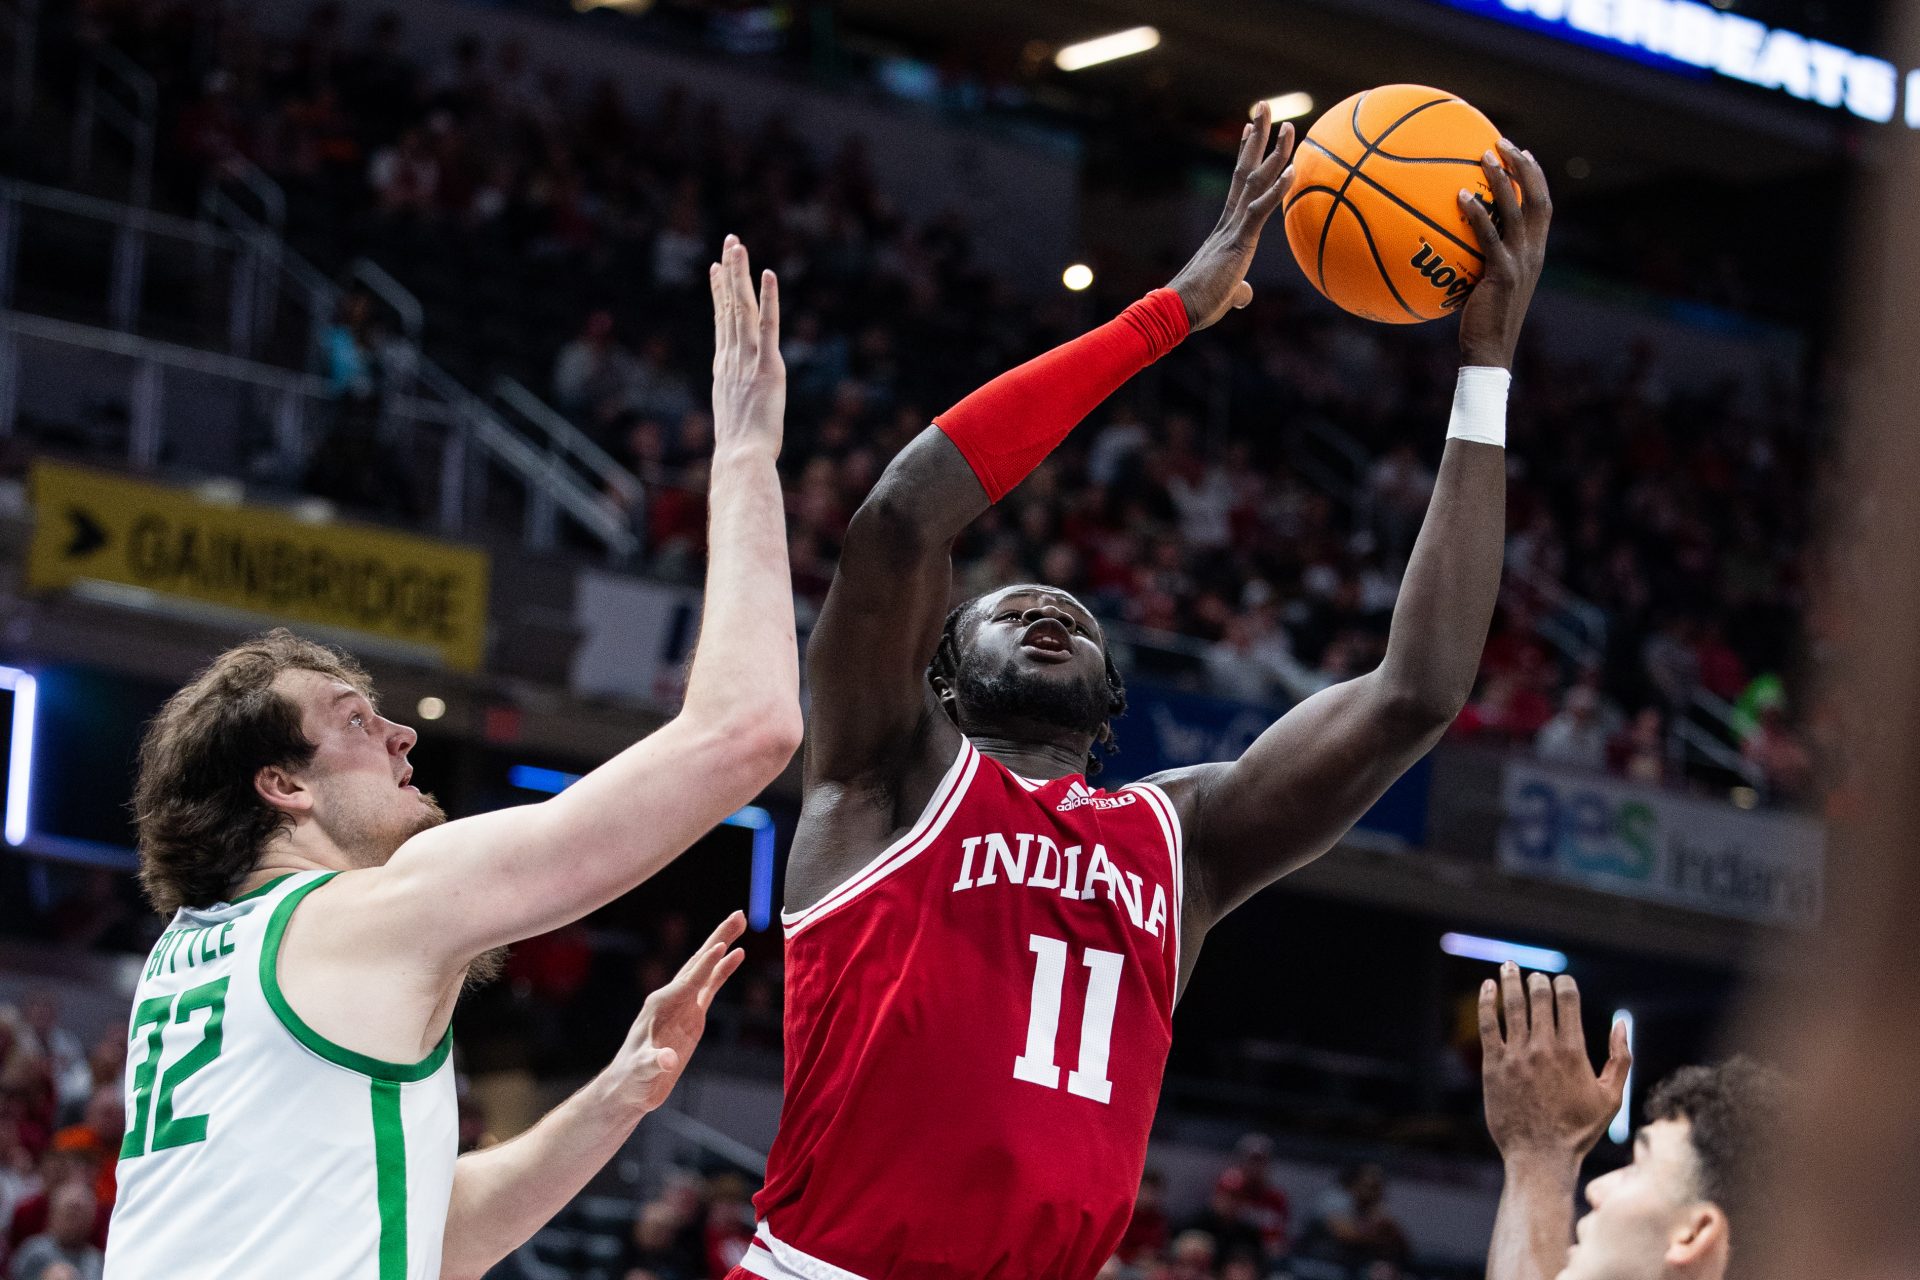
(1699, 1237)
(944, 691)
(282, 791)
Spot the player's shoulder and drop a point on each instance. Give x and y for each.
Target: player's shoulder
(1187, 786)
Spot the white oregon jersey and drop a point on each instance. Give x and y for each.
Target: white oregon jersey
(256, 1148)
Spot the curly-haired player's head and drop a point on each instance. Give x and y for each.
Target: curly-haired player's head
(1029, 661)
(1683, 1207)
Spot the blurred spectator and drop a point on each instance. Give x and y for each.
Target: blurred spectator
(68, 1238)
(1639, 751)
(58, 1169)
(1147, 1230)
(1263, 1205)
(593, 371)
(1352, 1227)
(66, 1058)
(654, 1250)
(1225, 1223)
(1782, 759)
(1191, 1257)
(1578, 736)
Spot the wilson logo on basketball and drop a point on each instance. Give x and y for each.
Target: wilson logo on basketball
(1441, 276)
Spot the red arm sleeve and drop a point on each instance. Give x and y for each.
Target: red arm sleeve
(1008, 427)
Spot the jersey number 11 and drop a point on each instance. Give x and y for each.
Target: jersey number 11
(1036, 1065)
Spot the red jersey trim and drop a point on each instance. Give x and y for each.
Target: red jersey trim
(774, 1260)
(1169, 818)
(939, 811)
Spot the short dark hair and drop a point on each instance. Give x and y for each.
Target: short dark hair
(1733, 1110)
(202, 825)
(946, 666)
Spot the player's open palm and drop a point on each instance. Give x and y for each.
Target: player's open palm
(1541, 1092)
(1516, 250)
(672, 1019)
(749, 377)
(1214, 282)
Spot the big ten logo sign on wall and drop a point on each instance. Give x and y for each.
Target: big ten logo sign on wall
(1642, 842)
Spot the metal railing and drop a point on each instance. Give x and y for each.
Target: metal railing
(115, 91)
(561, 438)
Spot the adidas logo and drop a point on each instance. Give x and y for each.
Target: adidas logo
(1079, 796)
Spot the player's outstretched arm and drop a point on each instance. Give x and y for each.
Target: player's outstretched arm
(1307, 779)
(1546, 1109)
(867, 657)
(503, 1194)
(458, 890)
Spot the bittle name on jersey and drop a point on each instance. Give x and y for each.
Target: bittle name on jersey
(1036, 862)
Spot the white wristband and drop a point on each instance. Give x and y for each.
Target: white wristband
(1480, 406)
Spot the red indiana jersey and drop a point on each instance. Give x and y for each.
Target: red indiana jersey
(976, 1027)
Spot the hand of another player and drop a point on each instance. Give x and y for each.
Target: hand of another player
(1516, 249)
(1214, 282)
(749, 377)
(671, 1021)
(1541, 1093)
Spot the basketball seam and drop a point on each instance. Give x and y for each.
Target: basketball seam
(1379, 264)
(1353, 172)
(1326, 228)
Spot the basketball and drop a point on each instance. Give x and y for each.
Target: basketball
(1374, 215)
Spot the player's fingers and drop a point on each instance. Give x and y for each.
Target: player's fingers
(1490, 1041)
(724, 935)
(1532, 178)
(1266, 202)
(1540, 1002)
(1613, 1076)
(1513, 1002)
(1482, 223)
(746, 313)
(1506, 205)
(1253, 141)
(728, 966)
(769, 314)
(1566, 1011)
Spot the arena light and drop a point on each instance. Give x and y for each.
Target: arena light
(1622, 1127)
(20, 757)
(1286, 106)
(1121, 44)
(1470, 947)
(431, 708)
(1077, 277)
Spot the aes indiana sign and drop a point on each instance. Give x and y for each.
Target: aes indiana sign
(1641, 842)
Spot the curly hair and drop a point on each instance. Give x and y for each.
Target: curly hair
(202, 825)
(1732, 1111)
(946, 666)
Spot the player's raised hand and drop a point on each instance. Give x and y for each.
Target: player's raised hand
(1515, 248)
(672, 1019)
(749, 377)
(1214, 282)
(1541, 1093)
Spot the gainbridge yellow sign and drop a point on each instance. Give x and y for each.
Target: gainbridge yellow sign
(95, 526)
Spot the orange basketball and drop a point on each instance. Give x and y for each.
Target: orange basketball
(1374, 214)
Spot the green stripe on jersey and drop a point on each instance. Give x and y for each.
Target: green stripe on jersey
(268, 887)
(339, 1055)
(390, 1178)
